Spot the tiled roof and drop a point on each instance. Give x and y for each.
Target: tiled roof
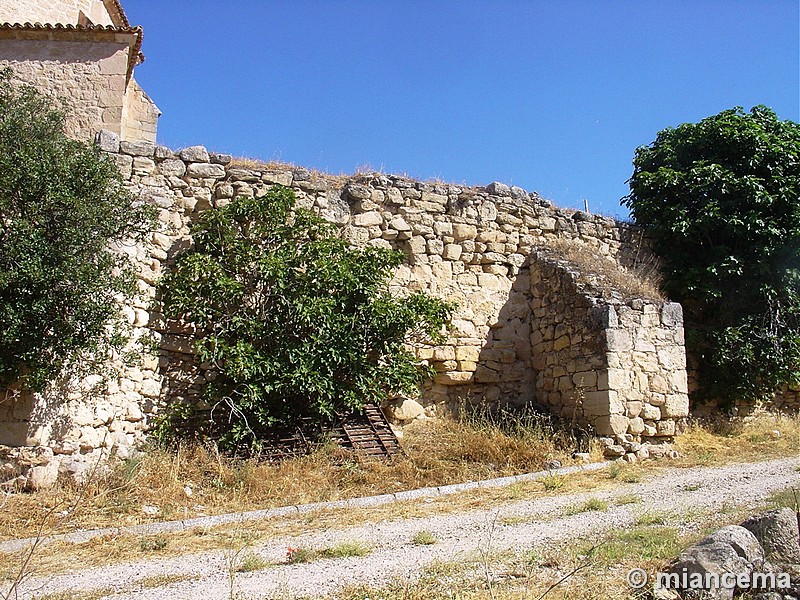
(82, 32)
(116, 12)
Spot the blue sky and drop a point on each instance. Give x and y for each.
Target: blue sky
(553, 96)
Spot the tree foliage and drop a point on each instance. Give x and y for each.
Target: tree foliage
(62, 205)
(720, 199)
(297, 323)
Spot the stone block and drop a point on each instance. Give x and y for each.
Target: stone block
(665, 428)
(675, 406)
(672, 357)
(455, 378)
(462, 231)
(403, 410)
(678, 382)
(195, 154)
(650, 412)
(124, 164)
(205, 170)
(444, 353)
(777, 532)
(636, 426)
(672, 315)
(619, 340)
(107, 141)
(451, 252)
(470, 353)
(585, 379)
(547, 224)
(220, 159)
(139, 148)
(611, 425)
(561, 343)
(633, 408)
(172, 167)
(614, 379)
(499, 189)
(42, 477)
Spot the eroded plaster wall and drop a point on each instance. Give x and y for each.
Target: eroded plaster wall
(53, 11)
(90, 77)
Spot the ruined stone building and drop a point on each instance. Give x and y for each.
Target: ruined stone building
(83, 51)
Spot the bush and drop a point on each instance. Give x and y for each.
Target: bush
(298, 324)
(720, 199)
(62, 206)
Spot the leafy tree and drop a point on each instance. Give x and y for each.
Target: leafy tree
(298, 323)
(720, 199)
(62, 206)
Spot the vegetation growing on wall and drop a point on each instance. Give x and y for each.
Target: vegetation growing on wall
(720, 198)
(62, 207)
(297, 323)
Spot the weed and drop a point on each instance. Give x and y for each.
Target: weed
(249, 562)
(593, 504)
(788, 498)
(345, 550)
(652, 518)
(300, 555)
(645, 543)
(605, 275)
(622, 471)
(615, 469)
(81, 595)
(153, 543)
(632, 476)
(155, 581)
(552, 482)
(628, 499)
(514, 519)
(423, 538)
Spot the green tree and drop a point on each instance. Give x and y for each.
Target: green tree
(297, 322)
(62, 206)
(720, 199)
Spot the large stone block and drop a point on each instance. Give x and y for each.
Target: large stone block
(205, 170)
(462, 231)
(195, 154)
(675, 406)
(611, 425)
(672, 314)
(777, 531)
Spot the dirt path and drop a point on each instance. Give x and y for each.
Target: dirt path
(519, 525)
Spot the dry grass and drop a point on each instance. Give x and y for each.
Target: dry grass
(257, 164)
(335, 181)
(196, 481)
(605, 274)
(437, 451)
(760, 436)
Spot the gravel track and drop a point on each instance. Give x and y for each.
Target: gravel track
(535, 523)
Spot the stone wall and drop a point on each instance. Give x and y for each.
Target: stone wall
(526, 328)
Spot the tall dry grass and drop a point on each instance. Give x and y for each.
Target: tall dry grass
(196, 480)
(605, 274)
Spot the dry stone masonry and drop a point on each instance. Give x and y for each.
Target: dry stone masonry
(529, 327)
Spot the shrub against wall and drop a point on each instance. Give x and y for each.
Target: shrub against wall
(62, 207)
(296, 322)
(720, 198)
